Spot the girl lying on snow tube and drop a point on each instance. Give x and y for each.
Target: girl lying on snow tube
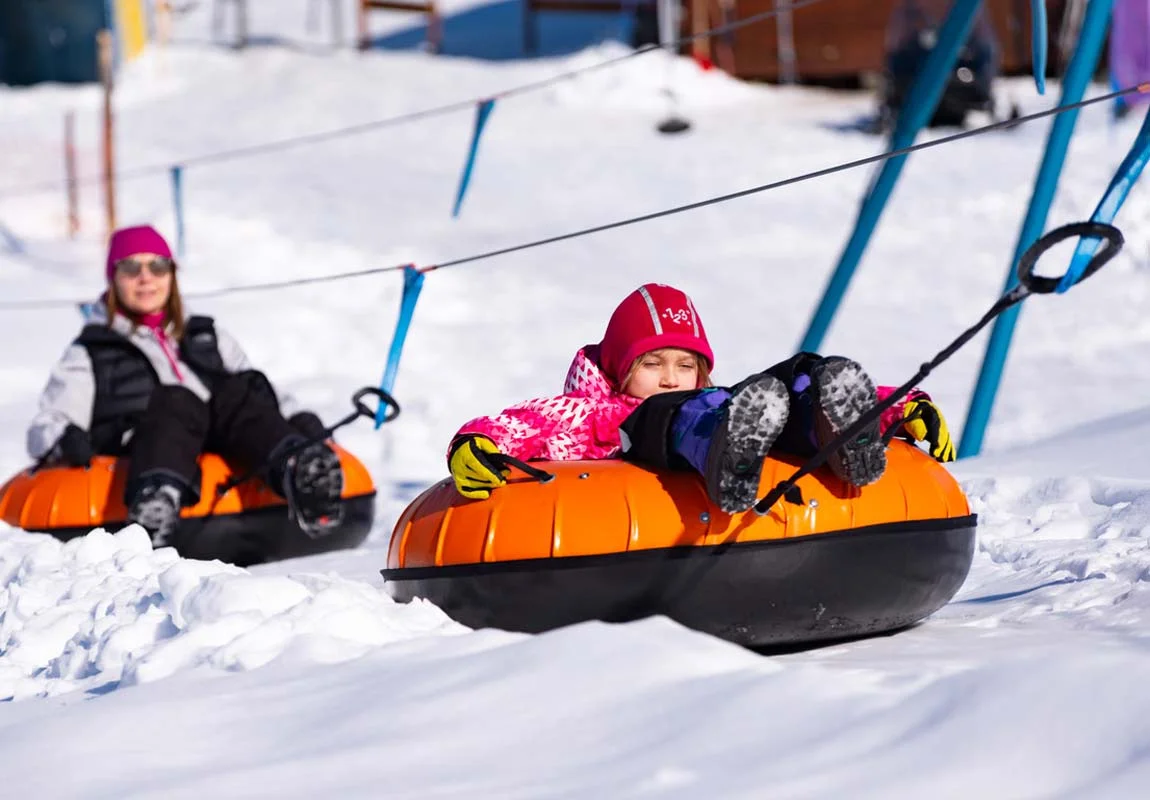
(644, 393)
(144, 380)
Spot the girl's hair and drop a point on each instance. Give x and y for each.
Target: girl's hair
(701, 365)
(173, 311)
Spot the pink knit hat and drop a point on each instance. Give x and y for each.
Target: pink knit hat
(652, 317)
(128, 242)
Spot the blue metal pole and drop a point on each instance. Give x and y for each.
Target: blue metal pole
(1078, 74)
(1120, 185)
(916, 112)
(1038, 44)
(177, 172)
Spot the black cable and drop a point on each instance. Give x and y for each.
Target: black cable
(17, 305)
(389, 122)
(1143, 88)
(253, 287)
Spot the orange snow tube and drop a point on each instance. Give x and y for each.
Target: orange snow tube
(248, 524)
(613, 541)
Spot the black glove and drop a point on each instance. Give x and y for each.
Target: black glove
(74, 448)
(308, 424)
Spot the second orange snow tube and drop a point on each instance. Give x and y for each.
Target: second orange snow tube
(246, 525)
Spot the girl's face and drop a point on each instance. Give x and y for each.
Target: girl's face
(143, 283)
(666, 370)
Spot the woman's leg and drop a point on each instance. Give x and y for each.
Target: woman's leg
(163, 468)
(245, 420)
(246, 425)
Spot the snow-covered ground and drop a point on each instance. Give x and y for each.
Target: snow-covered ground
(139, 674)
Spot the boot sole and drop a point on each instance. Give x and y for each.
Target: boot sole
(845, 392)
(319, 490)
(159, 519)
(755, 417)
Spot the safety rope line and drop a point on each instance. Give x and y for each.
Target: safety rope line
(1142, 88)
(394, 121)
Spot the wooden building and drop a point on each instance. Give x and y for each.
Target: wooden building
(843, 39)
(830, 41)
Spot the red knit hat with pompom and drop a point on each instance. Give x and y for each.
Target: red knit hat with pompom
(652, 317)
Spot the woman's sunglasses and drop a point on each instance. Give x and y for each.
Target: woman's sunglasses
(158, 266)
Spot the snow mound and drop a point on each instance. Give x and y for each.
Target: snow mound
(1078, 548)
(106, 610)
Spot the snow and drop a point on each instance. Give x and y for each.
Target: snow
(134, 673)
(106, 611)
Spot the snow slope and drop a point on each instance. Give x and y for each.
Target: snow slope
(151, 676)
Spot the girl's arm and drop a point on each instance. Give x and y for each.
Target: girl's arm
(518, 431)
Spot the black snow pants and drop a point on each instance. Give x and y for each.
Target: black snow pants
(241, 422)
(647, 432)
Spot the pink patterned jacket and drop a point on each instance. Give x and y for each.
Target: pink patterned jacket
(583, 422)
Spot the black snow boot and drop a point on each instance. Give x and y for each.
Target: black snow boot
(156, 506)
(752, 420)
(313, 486)
(843, 393)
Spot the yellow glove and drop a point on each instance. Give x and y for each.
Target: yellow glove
(474, 471)
(925, 422)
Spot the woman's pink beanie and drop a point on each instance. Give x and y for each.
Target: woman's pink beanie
(128, 242)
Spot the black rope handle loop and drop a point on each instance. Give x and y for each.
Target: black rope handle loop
(502, 460)
(361, 409)
(1039, 284)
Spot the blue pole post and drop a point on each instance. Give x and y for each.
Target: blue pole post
(1120, 185)
(916, 112)
(1038, 43)
(482, 112)
(178, 206)
(1078, 74)
(412, 285)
